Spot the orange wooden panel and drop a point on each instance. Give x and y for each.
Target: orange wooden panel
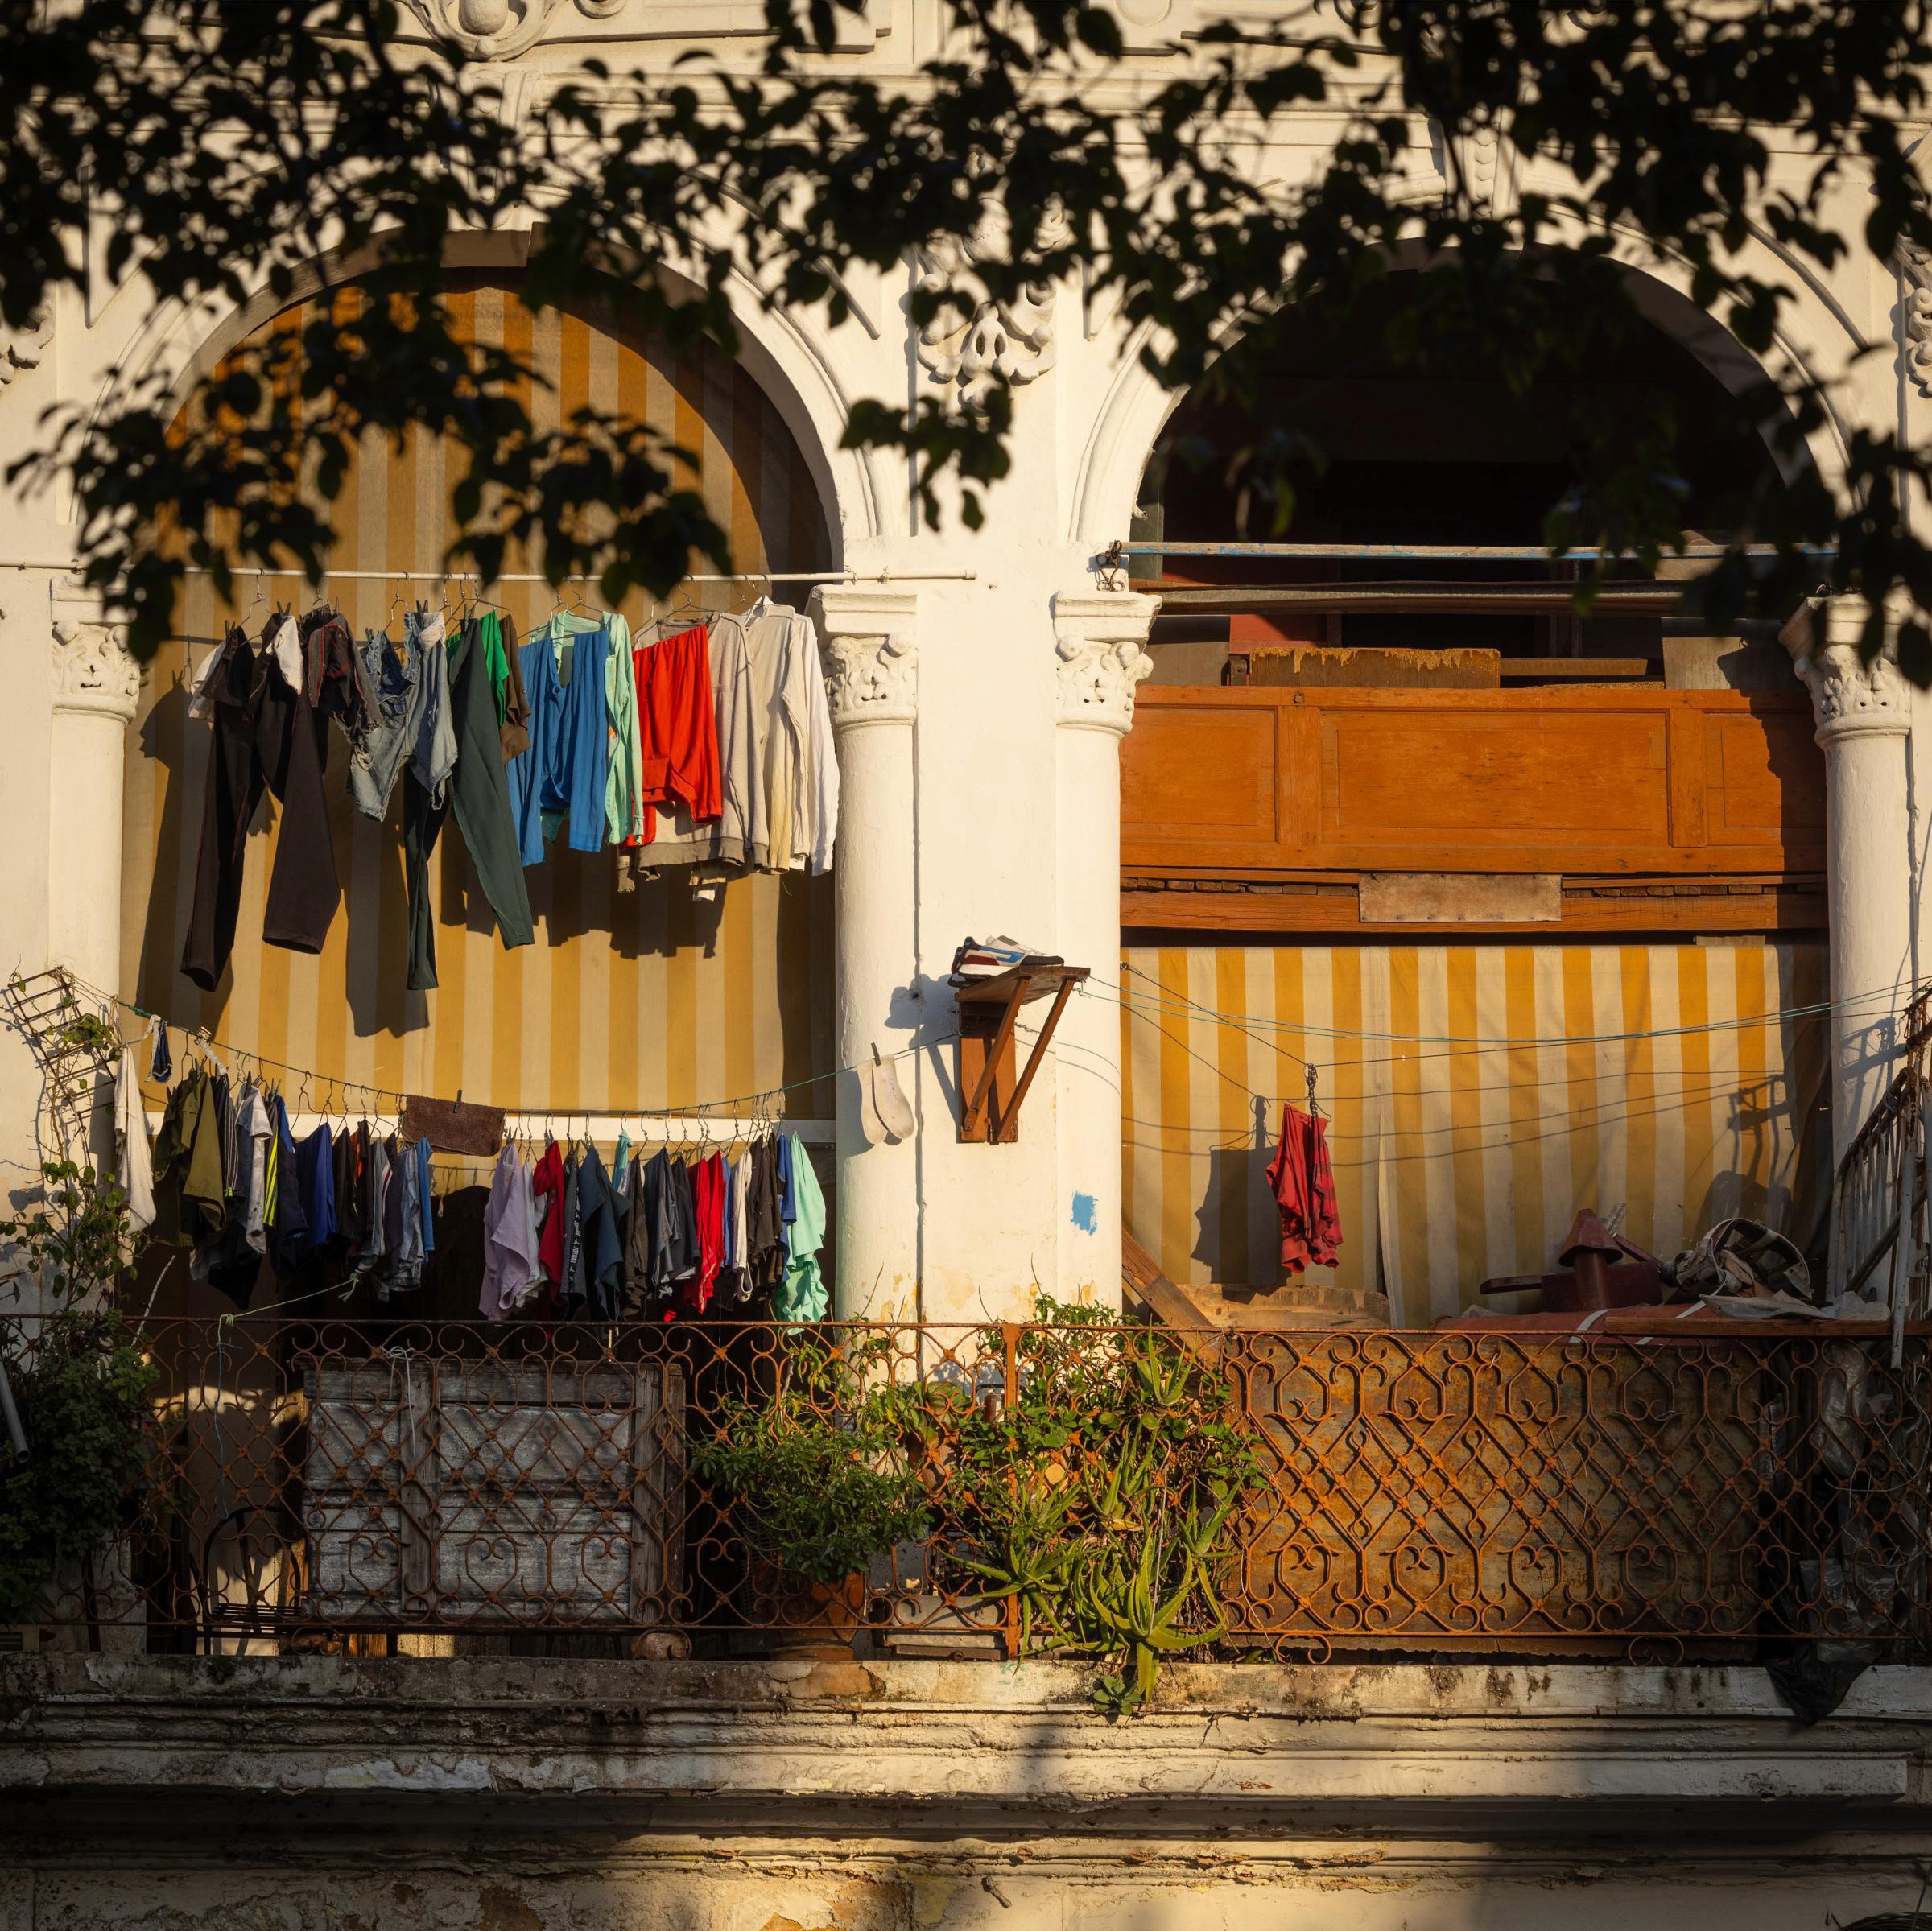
(1763, 778)
(1633, 780)
(1204, 776)
(1411, 775)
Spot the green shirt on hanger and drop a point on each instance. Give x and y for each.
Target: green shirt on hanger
(801, 1295)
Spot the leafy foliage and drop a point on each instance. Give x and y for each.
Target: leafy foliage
(80, 1384)
(1100, 1500)
(208, 150)
(820, 1476)
(82, 1393)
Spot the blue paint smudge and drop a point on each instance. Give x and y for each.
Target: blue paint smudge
(1083, 1216)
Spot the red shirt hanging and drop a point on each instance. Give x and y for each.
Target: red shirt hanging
(1303, 1184)
(677, 730)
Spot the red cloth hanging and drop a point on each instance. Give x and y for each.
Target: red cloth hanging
(707, 1197)
(1303, 1185)
(677, 731)
(547, 1183)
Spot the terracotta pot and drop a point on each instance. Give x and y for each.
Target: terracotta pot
(813, 1622)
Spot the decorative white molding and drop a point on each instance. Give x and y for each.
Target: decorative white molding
(496, 30)
(870, 650)
(1098, 636)
(22, 349)
(499, 29)
(1913, 266)
(1851, 694)
(972, 345)
(93, 671)
(1486, 163)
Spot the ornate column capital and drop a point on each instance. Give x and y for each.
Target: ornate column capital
(1852, 695)
(869, 640)
(93, 671)
(1097, 638)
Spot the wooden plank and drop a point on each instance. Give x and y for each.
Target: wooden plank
(1460, 898)
(1786, 911)
(1141, 1274)
(1635, 779)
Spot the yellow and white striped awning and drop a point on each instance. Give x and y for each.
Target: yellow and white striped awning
(657, 999)
(1479, 1095)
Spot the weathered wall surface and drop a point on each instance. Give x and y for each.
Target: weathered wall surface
(161, 1793)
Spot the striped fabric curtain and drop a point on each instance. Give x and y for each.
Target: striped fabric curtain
(655, 999)
(1478, 1094)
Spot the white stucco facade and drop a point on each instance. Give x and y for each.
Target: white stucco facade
(981, 683)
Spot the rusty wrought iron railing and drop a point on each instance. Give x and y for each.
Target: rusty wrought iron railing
(330, 1484)
(1881, 1247)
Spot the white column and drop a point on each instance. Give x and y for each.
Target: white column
(1098, 638)
(871, 655)
(96, 686)
(1864, 717)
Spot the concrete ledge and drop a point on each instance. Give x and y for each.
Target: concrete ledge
(919, 1746)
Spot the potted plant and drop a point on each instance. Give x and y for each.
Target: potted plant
(819, 1481)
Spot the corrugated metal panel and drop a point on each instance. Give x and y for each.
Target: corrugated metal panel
(651, 1000)
(1457, 1160)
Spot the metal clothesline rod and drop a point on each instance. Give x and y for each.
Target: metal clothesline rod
(537, 576)
(1523, 553)
(677, 1129)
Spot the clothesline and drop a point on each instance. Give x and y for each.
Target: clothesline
(1168, 1000)
(327, 575)
(639, 1122)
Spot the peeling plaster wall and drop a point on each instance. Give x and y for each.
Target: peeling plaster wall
(159, 1793)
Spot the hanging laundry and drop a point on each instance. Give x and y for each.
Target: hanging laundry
(252, 1138)
(736, 1236)
(231, 790)
(497, 634)
(1303, 1185)
(512, 1271)
(737, 833)
(708, 1206)
(288, 1241)
(270, 731)
(479, 794)
(600, 1269)
(315, 1175)
(133, 1154)
(333, 678)
(801, 1296)
(350, 1150)
(161, 1068)
(547, 1186)
(562, 776)
(677, 730)
(571, 1289)
(411, 724)
(765, 1227)
(621, 749)
(801, 768)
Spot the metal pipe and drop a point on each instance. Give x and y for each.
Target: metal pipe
(1414, 598)
(537, 576)
(1523, 553)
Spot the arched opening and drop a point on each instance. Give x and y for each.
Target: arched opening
(1535, 896)
(1412, 456)
(670, 995)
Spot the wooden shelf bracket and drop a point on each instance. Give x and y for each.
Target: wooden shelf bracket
(990, 1094)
